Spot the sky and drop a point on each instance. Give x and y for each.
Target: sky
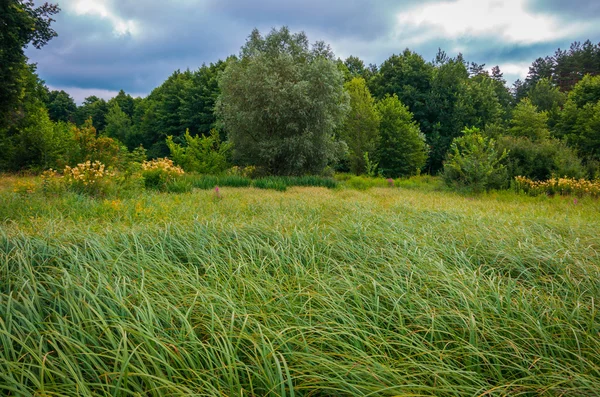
(107, 45)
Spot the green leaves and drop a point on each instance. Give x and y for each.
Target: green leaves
(361, 128)
(401, 146)
(474, 163)
(281, 102)
(203, 154)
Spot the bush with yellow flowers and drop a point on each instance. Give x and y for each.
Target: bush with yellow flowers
(90, 178)
(52, 182)
(24, 188)
(158, 173)
(561, 186)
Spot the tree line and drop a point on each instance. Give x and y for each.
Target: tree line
(292, 108)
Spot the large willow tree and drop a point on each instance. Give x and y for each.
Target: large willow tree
(280, 103)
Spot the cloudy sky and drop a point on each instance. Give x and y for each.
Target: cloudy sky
(107, 45)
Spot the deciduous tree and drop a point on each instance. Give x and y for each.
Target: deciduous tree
(281, 101)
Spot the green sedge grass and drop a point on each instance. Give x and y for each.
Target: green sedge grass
(307, 292)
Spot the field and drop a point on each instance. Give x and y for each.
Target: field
(307, 292)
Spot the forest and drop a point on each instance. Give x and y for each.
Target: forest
(284, 107)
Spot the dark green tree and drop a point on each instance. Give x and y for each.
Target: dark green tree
(356, 67)
(409, 77)
(580, 118)
(448, 83)
(94, 108)
(21, 23)
(125, 101)
(546, 96)
(118, 126)
(197, 110)
(61, 107)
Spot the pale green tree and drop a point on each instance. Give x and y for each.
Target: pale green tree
(401, 146)
(528, 122)
(361, 128)
(280, 103)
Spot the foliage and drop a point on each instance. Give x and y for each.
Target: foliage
(474, 163)
(118, 126)
(91, 146)
(401, 148)
(478, 103)
(52, 183)
(540, 159)
(448, 82)
(89, 178)
(280, 103)
(562, 186)
(125, 102)
(580, 118)
(361, 128)
(409, 77)
(61, 107)
(365, 182)
(203, 154)
(546, 97)
(21, 23)
(566, 67)
(93, 108)
(528, 122)
(159, 173)
(246, 172)
(370, 166)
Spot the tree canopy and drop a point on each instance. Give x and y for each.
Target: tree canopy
(281, 101)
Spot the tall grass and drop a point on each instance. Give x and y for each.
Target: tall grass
(308, 292)
(279, 183)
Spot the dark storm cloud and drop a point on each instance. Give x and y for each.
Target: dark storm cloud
(89, 55)
(355, 18)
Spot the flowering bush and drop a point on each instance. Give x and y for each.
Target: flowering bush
(89, 177)
(52, 182)
(562, 186)
(158, 173)
(24, 188)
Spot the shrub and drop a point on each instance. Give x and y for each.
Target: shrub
(202, 154)
(88, 146)
(311, 180)
(159, 172)
(178, 185)
(52, 182)
(540, 159)
(89, 178)
(474, 163)
(24, 188)
(562, 186)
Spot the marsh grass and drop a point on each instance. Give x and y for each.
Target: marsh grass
(307, 292)
(279, 183)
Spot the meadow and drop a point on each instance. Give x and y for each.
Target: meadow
(385, 291)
